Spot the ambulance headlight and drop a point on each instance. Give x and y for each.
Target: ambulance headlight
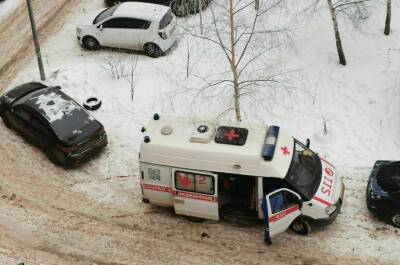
(330, 209)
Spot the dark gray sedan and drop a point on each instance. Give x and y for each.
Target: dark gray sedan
(52, 120)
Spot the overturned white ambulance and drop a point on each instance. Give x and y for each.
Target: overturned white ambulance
(204, 169)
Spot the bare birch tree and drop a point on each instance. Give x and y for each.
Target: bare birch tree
(243, 41)
(388, 16)
(353, 10)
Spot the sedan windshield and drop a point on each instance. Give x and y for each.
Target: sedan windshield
(105, 14)
(305, 170)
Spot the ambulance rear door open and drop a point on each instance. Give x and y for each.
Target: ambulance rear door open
(283, 209)
(195, 193)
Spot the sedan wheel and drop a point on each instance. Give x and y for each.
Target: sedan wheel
(396, 220)
(152, 50)
(90, 43)
(117, 2)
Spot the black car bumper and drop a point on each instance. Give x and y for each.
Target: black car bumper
(85, 154)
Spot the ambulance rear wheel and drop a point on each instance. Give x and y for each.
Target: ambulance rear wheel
(194, 219)
(301, 226)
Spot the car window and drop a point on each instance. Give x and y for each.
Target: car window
(40, 125)
(105, 14)
(282, 200)
(23, 114)
(166, 20)
(138, 24)
(277, 202)
(126, 23)
(198, 183)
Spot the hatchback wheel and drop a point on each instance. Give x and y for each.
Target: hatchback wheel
(116, 2)
(179, 8)
(396, 220)
(301, 226)
(152, 50)
(112, 2)
(90, 43)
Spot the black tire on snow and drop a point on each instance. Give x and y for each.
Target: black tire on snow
(152, 50)
(90, 43)
(112, 2)
(92, 103)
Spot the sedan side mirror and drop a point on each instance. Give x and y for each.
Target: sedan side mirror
(308, 143)
(101, 27)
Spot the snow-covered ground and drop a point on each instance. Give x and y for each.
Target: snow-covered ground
(8, 6)
(357, 102)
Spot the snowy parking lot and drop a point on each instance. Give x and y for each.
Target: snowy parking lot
(94, 215)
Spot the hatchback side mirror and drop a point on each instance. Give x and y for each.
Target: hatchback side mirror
(101, 27)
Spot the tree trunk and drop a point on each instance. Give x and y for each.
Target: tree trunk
(388, 17)
(339, 47)
(233, 63)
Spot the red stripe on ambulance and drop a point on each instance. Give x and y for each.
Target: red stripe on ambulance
(189, 195)
(157, 188)
(282, 214)
(322, 200)
(196, 196)
(327, 162)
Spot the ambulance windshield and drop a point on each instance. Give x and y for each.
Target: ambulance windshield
(305, 170)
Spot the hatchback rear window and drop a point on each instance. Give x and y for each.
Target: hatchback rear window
(166, 20)
(105, 14)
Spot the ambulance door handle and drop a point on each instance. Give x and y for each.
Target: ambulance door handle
(179, 201)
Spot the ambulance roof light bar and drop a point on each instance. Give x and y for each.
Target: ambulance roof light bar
(270, 143)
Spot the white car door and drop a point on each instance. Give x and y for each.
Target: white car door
(111, 33)
(195, 193)
(283, 209)
(138, 32)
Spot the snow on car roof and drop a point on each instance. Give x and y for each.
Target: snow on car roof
(170, 144)
(141, 10)
(66, 117)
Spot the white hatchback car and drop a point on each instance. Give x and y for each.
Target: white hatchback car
(130, 25)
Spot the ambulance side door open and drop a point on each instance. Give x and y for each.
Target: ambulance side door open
(195, 193)
(283, 209)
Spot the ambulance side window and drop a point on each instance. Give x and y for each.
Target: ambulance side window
(194, 182)
(277, 202)
(282, 200)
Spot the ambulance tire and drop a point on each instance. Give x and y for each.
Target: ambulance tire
(194, 219)
(301, 226)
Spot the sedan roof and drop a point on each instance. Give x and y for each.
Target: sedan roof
(70, 122)
(141, 10)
